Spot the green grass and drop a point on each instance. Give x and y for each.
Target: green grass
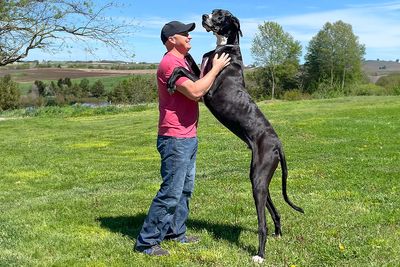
(75, 190)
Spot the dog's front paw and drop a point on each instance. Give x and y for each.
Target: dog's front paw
(171, 89)
(258, 259)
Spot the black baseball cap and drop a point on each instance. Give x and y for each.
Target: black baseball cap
(174, 27)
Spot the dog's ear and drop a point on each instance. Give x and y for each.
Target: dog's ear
(236, 22)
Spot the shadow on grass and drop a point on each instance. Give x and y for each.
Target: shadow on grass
(130, 226)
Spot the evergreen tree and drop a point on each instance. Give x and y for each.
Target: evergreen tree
(97, 89)
(9, 93)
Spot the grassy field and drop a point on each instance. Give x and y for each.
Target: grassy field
(110, 78)
(74, 190)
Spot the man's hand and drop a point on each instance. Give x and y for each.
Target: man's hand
(219, 63)
(196, 90)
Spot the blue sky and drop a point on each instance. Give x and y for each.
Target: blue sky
(376, 23)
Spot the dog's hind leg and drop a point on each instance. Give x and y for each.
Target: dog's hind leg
(260, 199)
(274, 215)
(262, 169)
(273, 160)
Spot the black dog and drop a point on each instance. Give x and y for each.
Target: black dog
(230, 103)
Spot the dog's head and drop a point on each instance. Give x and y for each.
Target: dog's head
(223, 24)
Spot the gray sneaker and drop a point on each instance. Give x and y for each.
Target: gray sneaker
(155, 250)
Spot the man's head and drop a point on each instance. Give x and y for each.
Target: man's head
(176, 35)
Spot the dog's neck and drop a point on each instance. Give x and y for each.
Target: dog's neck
(221, 40)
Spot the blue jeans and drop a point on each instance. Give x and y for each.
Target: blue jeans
(170, 208)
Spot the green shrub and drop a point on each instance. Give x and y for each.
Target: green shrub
(294, 95)
(117, 95)
(97, 89)
(85, 85)
(368, 89)
(66, 82)
(9, 93)
(254, 87)
(136, 89)
(41, 87)
(31, 100)
(326, 90)
(391, 83)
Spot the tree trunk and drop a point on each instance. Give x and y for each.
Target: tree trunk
(343, 78)
(273, 85)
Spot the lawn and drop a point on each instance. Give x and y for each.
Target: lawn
(75, 189)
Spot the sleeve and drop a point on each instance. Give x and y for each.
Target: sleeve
(169, 72)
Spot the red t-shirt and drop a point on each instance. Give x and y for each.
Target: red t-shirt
(178, 114)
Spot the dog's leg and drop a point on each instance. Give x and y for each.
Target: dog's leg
(259, 188)
(176, 74)
(275, 216)
(272, 157)
(260, 199)
(264, 163)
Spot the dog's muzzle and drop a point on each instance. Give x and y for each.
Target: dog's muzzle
(207, 24)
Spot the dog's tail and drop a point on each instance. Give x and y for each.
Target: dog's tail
(284, 180)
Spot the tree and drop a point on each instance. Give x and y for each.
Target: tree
(9, 93)
(273, 47)
(97, 89)
(52, 25)
(134, 90)
(334, 56)
(41, 87)
(85, 85)
(66, 82)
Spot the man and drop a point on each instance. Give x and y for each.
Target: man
(176, 142)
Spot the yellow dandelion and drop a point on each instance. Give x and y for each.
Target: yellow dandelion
(341, 247)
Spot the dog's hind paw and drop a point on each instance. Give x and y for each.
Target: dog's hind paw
(258, 259)
(277, 236)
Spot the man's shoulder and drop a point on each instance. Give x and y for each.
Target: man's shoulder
(169, 62)
(170, 58)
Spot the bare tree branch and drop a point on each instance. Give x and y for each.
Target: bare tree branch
(42, 24)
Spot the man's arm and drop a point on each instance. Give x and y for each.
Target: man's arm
(194, 90)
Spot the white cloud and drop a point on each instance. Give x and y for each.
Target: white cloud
(377, 26)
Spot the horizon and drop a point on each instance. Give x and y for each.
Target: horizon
(111, 61)
(376, 26)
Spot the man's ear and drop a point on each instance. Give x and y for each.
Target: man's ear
(171, 39)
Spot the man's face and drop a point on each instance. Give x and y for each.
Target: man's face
(181, 41)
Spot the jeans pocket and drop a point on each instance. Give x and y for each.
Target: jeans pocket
(162, 144)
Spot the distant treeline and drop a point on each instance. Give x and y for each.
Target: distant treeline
(108, 65)
(139, 89)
